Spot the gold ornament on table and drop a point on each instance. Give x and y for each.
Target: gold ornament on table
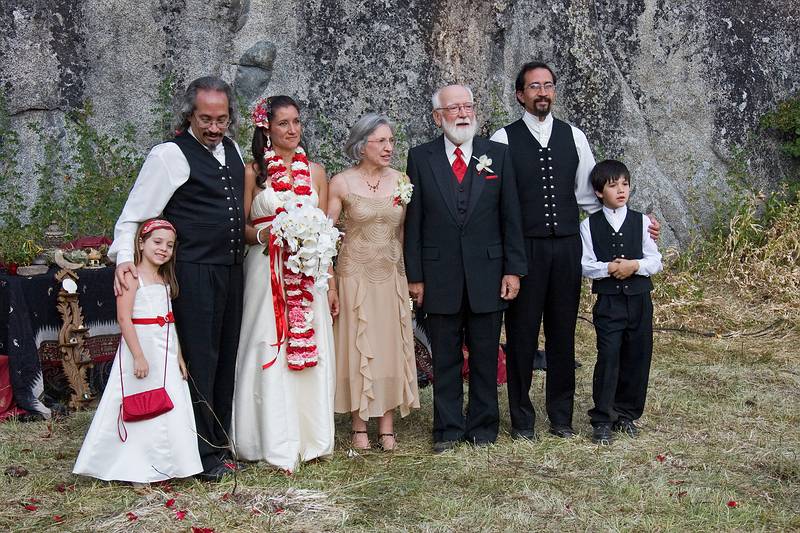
(94, 256)
(75, 359)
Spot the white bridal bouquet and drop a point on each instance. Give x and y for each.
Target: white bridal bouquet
(309, 239)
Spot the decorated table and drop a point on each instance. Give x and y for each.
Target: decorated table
(29, 331)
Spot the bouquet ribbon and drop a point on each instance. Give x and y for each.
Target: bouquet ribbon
(278, 300)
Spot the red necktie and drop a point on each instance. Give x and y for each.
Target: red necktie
(459, 167)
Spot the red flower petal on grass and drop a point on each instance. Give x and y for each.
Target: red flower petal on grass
(180, 515)
(58, 518)
(661, 458)
(196, 529)
(131, 516)
(225, 497)
(34, 500)
(732, 504)
(30, 507)
(169, 503)
(279, 510)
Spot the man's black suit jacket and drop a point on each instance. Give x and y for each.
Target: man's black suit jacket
(448, 256)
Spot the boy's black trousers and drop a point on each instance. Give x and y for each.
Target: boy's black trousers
(624, 327)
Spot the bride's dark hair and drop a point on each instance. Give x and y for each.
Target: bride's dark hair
(259, 144)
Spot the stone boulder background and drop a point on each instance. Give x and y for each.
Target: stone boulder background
(673, 88)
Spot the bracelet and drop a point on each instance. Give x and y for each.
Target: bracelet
(258, 236)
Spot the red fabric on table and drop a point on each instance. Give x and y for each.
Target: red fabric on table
(87, 242)
(502, 377)
(7, 406)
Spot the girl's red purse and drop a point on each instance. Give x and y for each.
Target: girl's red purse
(145, 405)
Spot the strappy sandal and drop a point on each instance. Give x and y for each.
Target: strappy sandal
(353, 444)
(380, 442)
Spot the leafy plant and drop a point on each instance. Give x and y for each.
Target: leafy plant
(786, 120)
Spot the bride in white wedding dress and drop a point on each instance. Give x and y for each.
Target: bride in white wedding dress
(283, 410)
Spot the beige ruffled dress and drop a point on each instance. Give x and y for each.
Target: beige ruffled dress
(375, 365)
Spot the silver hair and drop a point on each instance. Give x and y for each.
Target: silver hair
(208, 83)
(354, 147)
(435, 98)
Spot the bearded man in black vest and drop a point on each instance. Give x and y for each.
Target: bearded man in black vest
(463, 256)
(552, 160)
(196, 181)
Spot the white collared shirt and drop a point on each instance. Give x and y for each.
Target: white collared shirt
(450, 148)
(541, 131)
(649, 264)
(164, 170)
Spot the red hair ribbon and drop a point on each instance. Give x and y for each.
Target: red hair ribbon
(157, 223)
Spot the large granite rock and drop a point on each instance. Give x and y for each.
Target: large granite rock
(673, 88)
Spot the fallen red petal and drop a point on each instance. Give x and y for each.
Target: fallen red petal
(31, 507)
(61, 487)
(34, 500)
(169, 503)
(225, 497)
(661, 458)
(196, 529)
(180, 515)
(279, 510)
(131, 516)
(58, 518)
(732, 503)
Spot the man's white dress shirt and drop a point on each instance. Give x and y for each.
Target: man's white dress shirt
(541, 131)
(649, 264)
(164, 170)
(450, 149)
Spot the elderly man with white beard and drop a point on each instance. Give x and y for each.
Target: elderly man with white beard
(464, 258)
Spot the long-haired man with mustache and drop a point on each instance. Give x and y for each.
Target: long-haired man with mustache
(464, 258)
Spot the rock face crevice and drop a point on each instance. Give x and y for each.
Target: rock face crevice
(673, 88)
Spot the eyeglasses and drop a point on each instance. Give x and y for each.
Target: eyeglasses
(548, 86)
(207, 123)
(454, 108)
(390, 141)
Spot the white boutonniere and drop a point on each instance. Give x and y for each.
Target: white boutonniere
(403, 191)
(484, 163)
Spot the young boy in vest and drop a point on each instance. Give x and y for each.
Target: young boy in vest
(619, 256)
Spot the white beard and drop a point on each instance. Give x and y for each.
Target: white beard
(459, 134)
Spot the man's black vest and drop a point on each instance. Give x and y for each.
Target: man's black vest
(208, 210)
(624, 244)
(545, 180)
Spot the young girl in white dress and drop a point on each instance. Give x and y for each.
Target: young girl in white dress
(165, 446)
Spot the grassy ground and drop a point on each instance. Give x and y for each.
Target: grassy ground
(719, 451)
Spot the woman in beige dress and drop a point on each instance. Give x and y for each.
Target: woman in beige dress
(374, 343)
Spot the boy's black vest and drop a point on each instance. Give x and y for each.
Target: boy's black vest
(207, 211)
(624, 244)
(545, 179)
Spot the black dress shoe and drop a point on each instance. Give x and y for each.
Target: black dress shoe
(623, 425)
(601, 434)
(216, 472)
(522, 434)
(444, 445)
(564, 432)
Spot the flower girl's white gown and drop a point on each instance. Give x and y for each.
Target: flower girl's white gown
(163, 447)
(281, 416)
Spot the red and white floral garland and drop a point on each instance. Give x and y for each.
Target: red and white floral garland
(301, 351)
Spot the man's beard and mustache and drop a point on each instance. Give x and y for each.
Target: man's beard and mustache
(460, 134)
(541, 110)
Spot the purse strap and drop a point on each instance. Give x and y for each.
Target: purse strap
(120, 424)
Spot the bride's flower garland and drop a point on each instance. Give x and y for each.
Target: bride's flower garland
(301, 351)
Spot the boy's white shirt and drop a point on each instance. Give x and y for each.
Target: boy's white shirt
(649, 264)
